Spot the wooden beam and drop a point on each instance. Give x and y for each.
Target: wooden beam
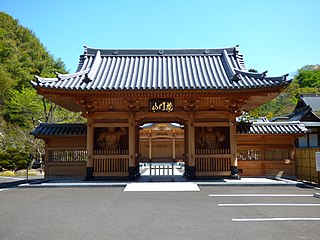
(110, 124)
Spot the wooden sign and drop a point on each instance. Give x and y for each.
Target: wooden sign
(161, 105)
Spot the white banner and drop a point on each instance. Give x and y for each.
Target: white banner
(318, 161)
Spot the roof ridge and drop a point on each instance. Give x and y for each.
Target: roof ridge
(252, 74)
(161, 51)
(278, 123)
(62, 76)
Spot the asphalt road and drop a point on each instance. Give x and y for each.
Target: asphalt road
(110, 213)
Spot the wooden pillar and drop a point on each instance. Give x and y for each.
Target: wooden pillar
(174, 146)
(90, 140)
(132, 147)
(233, 147)
(46, 160)
(150, 148)
(191, 149)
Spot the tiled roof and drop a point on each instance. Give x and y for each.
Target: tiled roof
(60, 129)
(185, 69)
(312, 100)
(271, 128)
(242, 128)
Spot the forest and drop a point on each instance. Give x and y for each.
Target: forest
(22, 56)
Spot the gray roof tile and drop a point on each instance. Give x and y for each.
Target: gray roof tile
(60, 129)
(242, 128)
(312, 100)
(271, 128)
(101, 69)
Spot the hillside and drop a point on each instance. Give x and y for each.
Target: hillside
(22, 56)
(307, 80)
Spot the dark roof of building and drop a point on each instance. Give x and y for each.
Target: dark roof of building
(311, 100)
(293, 127)
(44, 129)
(306, 109)
(242, 128)
(185, 69)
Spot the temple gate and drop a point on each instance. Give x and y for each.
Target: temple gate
(118, 91)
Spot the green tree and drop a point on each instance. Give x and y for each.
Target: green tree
(307, 80)
(22, 56)
(24, 108)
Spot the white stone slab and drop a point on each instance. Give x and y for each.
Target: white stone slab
(161, 187)
(251, 180)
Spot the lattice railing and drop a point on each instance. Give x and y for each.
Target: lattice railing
(212, 151)
(111, 165)
(213, 164)
(111, 152)
(67, 155)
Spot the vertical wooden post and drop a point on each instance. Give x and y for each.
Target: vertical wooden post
(191, 149)
(132, 147)
(46, 160)
(174, 146)
(90, 140)
(233, 147)
(150, 148)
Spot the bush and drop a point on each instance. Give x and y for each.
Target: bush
(12, 151)
(21, 164)
(6, 164)
(4, 156)
(17, 158)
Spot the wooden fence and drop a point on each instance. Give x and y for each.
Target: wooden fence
(112, 165)
(306, 164)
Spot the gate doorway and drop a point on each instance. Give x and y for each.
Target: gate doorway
(162, 151)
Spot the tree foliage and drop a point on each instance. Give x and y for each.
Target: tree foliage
(22, 56)
(307, 80)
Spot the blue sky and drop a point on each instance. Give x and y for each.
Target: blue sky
(280, 36)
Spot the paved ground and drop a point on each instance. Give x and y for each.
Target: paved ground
(111, 213)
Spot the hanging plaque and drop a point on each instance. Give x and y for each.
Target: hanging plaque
(161, 105)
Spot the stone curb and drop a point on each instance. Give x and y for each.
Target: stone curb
(12, 184)
(44, 184)
(72, 185)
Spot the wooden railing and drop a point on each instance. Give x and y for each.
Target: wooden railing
(111, 152)
(67, 155)
(213, 163)
(212, 151)
(109, 165)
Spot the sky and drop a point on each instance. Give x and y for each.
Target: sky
(280, 36)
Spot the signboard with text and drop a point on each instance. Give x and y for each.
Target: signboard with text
(161, 105)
